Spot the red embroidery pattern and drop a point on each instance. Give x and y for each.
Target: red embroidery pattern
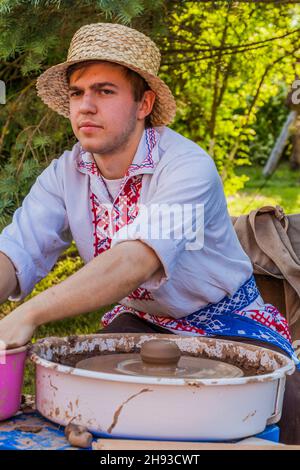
(270, 317)
(164, 322)
(109, 220)
(140, 294)
(171, 323)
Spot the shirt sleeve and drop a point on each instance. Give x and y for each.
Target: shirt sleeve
(189, 193)
(38, 233)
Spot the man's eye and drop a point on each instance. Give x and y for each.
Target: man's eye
(106, 92)
(75, 93)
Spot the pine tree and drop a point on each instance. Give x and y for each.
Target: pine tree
(34, 35)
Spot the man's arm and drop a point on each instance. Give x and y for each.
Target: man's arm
(106, 279)
(38, 233)
(8, 278)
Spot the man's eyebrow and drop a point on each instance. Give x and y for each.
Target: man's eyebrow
(94, 86)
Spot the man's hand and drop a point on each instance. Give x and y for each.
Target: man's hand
(16, 329)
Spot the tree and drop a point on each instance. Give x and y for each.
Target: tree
(35, 34)
(230, 60)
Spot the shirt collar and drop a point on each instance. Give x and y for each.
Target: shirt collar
(144, 162)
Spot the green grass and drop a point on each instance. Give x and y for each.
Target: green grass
(282, 189)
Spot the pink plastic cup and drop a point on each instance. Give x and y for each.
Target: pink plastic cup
(12, 363)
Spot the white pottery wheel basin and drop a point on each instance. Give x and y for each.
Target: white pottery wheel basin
(112, 405)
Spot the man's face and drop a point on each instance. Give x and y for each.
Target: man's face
(103, 112)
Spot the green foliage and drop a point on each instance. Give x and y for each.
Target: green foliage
(35, 35)
(270, 118)
(230, 64)
(15, 186)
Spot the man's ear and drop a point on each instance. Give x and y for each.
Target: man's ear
(146, 104)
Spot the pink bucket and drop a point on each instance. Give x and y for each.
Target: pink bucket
(12, 363)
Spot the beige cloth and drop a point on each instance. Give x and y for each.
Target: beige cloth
(272, 241)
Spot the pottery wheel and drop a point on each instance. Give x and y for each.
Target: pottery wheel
(160, 358)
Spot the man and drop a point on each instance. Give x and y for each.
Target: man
(113, 193)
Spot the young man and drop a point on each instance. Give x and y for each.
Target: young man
(131, 193)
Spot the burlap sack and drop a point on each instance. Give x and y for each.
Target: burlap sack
(272, 241)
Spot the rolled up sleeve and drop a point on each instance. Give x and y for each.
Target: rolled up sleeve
(166, 250)
(38, 233)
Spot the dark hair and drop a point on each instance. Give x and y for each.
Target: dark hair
(138, 83)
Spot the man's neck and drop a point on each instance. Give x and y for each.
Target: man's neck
(115, 166)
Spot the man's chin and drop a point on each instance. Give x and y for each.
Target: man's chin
(89, 146)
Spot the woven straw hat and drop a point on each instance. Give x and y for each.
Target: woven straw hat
(113, 43)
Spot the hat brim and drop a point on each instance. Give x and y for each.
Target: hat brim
(52, 88)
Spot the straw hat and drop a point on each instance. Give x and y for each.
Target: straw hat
(113, 43)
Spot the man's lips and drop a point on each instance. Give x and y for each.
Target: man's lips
(89, 127)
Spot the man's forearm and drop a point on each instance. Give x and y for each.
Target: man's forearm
(104, 280)
(8, 278)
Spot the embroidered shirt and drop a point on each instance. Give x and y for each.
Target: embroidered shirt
(69, 201)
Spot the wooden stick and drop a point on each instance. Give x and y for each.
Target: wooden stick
(131, 444)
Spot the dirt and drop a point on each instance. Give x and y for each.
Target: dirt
(28, 428)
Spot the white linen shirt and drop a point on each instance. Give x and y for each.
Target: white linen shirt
(58, 209)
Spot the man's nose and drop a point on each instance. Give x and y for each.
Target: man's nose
(87, 104)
